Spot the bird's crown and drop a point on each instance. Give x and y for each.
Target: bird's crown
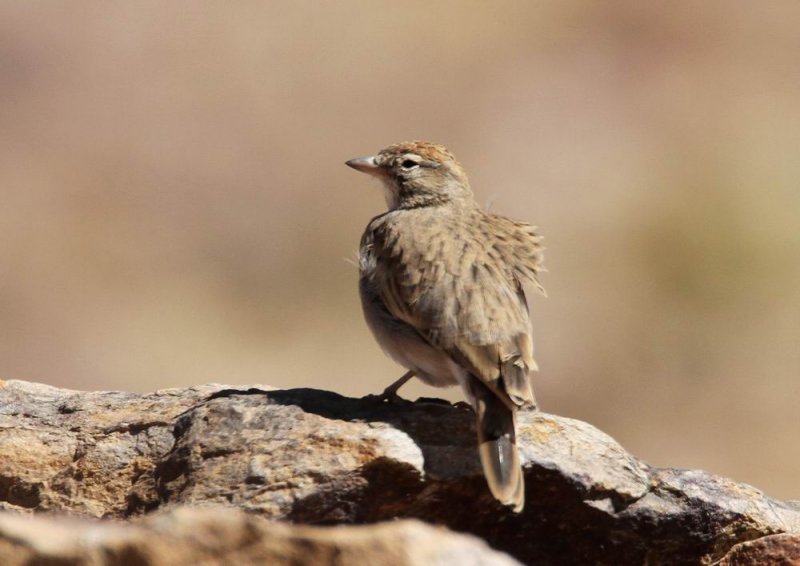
(426, 150)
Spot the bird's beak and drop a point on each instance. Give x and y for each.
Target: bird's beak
(365, 165)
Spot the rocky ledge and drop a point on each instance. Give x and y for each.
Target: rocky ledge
(152, 464)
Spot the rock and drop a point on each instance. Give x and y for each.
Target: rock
(79, 451)
(315, 457)
(192, 536)
(773, 550)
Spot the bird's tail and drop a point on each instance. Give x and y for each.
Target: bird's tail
(497, 445)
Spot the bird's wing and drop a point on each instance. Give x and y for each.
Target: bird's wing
(460, 288)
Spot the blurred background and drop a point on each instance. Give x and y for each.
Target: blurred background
(175, 208)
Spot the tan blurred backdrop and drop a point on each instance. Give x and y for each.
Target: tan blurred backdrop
(175, 208)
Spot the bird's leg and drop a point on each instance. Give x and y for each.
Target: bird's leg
(390, 393)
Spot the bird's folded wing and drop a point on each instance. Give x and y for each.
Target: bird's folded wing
(464, 297)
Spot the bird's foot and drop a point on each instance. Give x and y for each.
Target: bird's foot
(388, 396)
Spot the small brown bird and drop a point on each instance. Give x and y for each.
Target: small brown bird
(441, 285)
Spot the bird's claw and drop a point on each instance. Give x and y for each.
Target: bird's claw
(387, 396)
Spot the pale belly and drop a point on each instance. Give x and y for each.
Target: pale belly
(405, 346)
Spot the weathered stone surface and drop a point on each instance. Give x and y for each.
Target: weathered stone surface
(224, 537)
(64, 450)
(314, 457)
(773, 550)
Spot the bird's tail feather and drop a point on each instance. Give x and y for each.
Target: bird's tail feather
(497, 447)
(517, 382)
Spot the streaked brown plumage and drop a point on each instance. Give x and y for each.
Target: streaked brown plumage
(442, 286)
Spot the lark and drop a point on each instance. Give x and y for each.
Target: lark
(442, 285)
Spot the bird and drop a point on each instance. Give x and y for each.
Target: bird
(443, 289)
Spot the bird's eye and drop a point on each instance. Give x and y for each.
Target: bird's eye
(409, 164)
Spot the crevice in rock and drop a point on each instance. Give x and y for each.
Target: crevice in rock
(135, 428)
(18, 492)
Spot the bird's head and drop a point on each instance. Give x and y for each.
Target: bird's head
(417, 174)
